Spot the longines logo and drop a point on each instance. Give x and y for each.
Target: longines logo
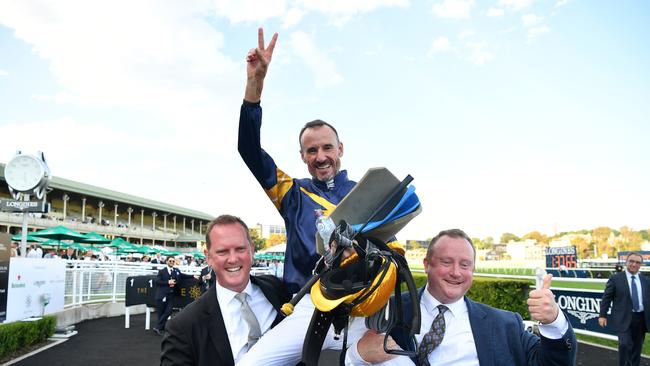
(583, 308)
(582, 315)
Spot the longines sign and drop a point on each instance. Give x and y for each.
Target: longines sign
(582, 308)
(24, 206)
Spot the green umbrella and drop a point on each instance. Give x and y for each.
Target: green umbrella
(30, 238)
(94, 238)
(59, 233)
(120, 243)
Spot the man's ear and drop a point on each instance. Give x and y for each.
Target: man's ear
(302, 156)
(341, 149)
(425, 262)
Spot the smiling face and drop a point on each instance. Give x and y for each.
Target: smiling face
(230, 255)
(633, 263)
(321, 150)
(449, 269)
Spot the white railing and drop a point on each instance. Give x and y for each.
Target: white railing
(88, 282)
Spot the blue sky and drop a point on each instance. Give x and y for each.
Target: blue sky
(511, 115)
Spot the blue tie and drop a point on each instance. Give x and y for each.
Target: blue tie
(635, 296)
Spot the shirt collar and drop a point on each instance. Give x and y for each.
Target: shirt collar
(225, 295)
(430, 303)
(340, 178)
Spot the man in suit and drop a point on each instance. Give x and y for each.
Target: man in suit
(206, 278)
(166, 281)
(158, 259)
(219, 327)
(626, 293)
(457, 330)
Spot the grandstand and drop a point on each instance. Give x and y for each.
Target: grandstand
(86, 208)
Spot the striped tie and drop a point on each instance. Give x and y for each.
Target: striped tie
(433, 338)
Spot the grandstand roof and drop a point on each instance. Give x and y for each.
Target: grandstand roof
(94, 191)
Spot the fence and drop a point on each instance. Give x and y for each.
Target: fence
(88, 282)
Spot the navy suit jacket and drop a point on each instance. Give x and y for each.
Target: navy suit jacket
(501, 339)
(198, 336)
(162, 280)
(617, 293)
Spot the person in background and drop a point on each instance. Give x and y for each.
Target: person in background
(226, 321)
(166, 281)
(627, 294)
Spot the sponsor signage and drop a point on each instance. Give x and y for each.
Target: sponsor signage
(5, 254)
(36, 287)
(24, 206)
(142, 290)
(561, 257)
(582, 308)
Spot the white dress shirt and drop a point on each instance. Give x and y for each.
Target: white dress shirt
(235, 325)
(637, 281)
(457, 346)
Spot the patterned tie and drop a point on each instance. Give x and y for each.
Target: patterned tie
(635, 296)
(433, 338)
(254, 332)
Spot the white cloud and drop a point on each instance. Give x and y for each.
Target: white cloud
(560, 3)
(292, 17)
(479, 55)
(494, 12)
(250, 10)
(439, 45)
(167, 62)
(323, 69)
(466, 34)
(341, 11)
(530, 20)
(3, 73)
(537, 31)
(516, 5)
(454, 9)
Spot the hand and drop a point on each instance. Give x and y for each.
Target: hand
(371, 347)
(541, 303)
(257, 64)
(602, 321)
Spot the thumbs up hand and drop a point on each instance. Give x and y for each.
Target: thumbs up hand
(541, 303)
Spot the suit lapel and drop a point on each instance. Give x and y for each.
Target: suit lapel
(482, 331)
(217, 329)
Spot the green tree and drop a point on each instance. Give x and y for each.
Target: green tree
(537, 236)
(258, 242)
(506, 237)
(275, 239)
(583, 246)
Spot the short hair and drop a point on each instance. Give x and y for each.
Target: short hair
(313, 124)
(453, 233)
(634, 253)
(226, 220)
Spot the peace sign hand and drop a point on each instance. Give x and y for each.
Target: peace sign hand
(257, 64)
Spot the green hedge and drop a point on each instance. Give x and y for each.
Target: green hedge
(502, 294)
(19, 334)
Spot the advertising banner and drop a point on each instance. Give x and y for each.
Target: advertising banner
(582, 308)
(5, 254)
(36, 287)
(142, 290)
(561, 257)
